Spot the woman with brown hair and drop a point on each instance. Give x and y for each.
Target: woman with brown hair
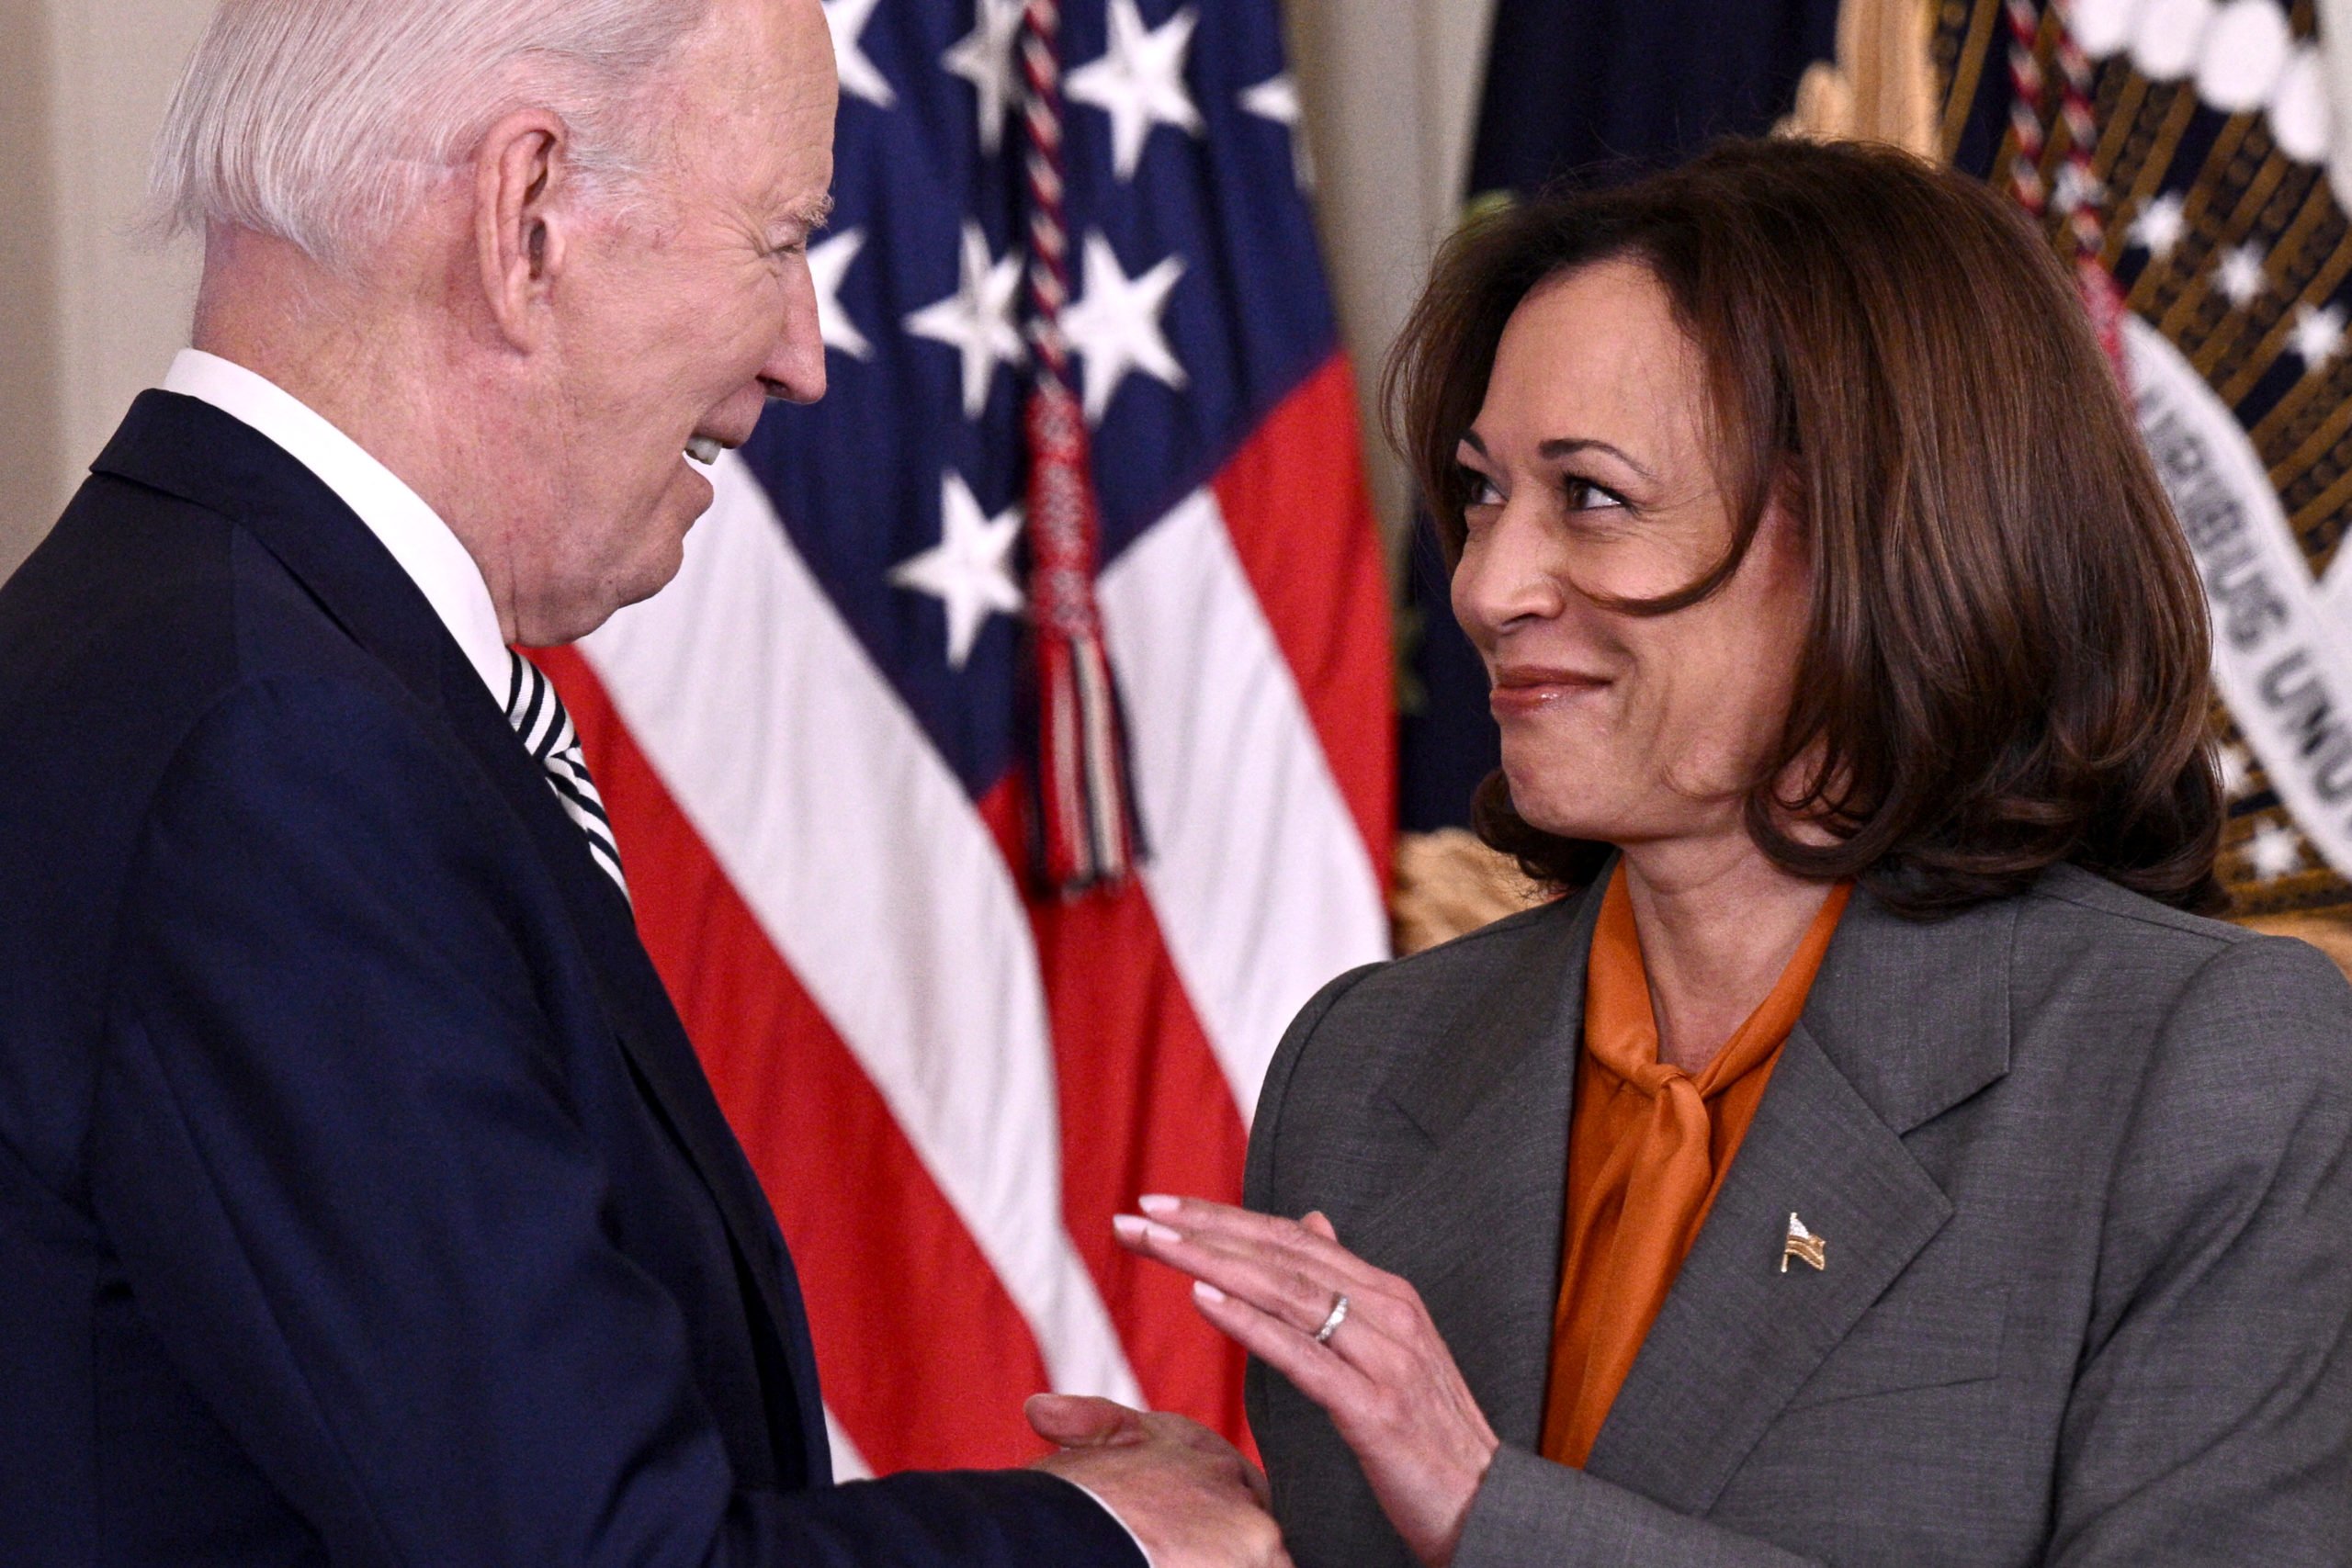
(1874, 1158)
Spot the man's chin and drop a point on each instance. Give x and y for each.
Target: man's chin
(680, 505)
(657, 577)
(569, 616)
(658, 551)
(696, 486)
(655, 565)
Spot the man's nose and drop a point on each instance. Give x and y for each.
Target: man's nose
(794, 368)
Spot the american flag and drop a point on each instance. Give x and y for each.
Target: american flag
(812, 742)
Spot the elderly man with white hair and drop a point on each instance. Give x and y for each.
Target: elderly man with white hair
(361, 1198)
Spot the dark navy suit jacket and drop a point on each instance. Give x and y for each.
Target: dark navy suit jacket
(361, 1198)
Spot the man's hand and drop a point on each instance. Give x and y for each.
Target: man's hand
(1186, 1493)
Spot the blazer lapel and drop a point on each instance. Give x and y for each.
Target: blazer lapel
(1904, 1022)
(189, 449)
(1477, 1229)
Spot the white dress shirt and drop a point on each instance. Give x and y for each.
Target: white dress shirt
(423, 545)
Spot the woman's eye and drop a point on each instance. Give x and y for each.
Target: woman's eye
(1584, 495)
(1479, 490)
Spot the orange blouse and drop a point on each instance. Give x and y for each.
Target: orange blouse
(1649, 1145)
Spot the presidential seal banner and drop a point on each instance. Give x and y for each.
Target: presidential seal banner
(2183, 146)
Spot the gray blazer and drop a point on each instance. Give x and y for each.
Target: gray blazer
(2084, 1164)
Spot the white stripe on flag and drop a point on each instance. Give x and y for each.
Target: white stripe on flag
(864, 862)
(1258, 870)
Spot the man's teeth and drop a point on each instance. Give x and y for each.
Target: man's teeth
(705, 449)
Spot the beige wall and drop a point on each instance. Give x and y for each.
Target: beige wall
(29, 427)
(1389, 90)
(29, 357)
(89, 314)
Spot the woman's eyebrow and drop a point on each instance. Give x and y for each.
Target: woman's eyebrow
(1569, 446)
(1566, 446)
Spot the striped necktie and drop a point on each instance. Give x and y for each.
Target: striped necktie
(538, 716)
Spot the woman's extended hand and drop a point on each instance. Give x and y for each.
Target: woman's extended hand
(1384, 1374)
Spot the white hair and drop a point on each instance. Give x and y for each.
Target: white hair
(323, 121)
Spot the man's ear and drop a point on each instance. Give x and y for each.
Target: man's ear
(520, 220)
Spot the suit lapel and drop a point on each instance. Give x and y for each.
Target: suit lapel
(1477, 1229)
(1737, 1335)
(186, 448)
(662, 1057)
(1904, 1022)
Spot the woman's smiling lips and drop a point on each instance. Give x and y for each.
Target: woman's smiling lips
(1524, 689)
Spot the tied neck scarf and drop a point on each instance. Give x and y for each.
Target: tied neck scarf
(1648, 1146)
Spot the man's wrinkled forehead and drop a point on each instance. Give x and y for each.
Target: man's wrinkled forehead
(750, 104)
(764, 52)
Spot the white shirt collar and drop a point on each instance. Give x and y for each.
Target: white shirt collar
(397, 515)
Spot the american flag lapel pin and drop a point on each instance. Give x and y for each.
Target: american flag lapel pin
(1803, 1243)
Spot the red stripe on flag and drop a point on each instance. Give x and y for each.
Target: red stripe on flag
(880, 1252)
(1301, 521)
(1145, 1108)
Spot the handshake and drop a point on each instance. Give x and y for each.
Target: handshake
(1282, 1290)
(1189, 1496)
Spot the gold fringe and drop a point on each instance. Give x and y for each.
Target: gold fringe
(2332, 934)
(1447, 884)
(1883, 86)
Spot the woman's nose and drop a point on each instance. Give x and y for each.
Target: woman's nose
(1506, 577)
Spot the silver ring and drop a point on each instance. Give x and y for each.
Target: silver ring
(1332, 1323)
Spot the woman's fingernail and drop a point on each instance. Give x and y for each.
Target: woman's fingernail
(1162, 1233)
(1130, 1227)
(1158, 1203)
(1207, 1291)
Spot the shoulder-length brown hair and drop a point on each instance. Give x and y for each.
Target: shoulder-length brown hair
(2005, 665)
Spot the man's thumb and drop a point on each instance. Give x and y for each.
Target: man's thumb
(1081, 1421)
